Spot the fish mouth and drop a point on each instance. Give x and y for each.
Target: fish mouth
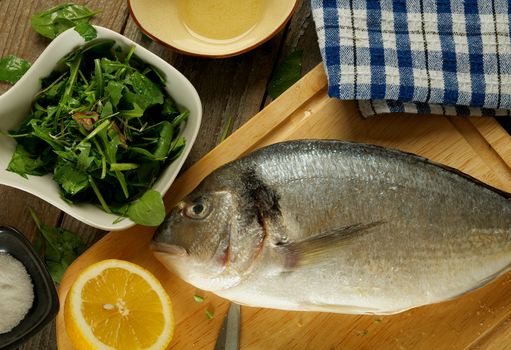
(171, 249)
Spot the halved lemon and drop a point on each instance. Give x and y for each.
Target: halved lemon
(115, 304)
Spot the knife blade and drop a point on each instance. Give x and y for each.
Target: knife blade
(229, 336)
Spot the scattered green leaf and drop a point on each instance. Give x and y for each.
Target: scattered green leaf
(209, 314)
(286, 74)
(198, 298)
(59, 247)
(12, 68)
(57, 19)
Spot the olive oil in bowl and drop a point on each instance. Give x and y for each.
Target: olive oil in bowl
(220, 20)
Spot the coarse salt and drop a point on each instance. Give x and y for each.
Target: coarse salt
(16, 292)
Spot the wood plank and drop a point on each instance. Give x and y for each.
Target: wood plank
(476, 320)
(18, 38)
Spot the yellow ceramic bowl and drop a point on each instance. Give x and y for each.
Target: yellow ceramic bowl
(214, 28)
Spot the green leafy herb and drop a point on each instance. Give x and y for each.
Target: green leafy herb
(286, 74)
(56, 20)
(59, 247)
(86, 30)
(198, 298)
(148, 210)
(12, 68)
(105, 128)
(209, 314)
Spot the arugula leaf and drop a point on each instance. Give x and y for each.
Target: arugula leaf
(59, 247)
(86, 30)
(12, 68)
(57, 19)
(286, 74)
(148, 210)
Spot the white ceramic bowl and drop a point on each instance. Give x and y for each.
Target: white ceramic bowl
(16, 102)
(162, 21)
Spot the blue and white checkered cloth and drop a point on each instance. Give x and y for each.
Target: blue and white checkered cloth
(448, 57)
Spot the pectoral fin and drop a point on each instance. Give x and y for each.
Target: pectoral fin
(316, 249)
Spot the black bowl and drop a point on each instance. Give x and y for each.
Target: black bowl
(46, 302)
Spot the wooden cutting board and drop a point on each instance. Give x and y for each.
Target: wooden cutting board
(478, 320)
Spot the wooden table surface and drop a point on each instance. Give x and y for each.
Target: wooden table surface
(232, 89)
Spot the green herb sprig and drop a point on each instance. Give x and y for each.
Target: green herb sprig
(105, 128)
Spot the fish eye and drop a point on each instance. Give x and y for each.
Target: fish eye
(197, 210)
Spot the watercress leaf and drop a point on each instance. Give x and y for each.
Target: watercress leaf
(71, 179)
(286, 74)
(24, 163)
(12, 68)
(86, 30)
(148, 210)
(57, 19)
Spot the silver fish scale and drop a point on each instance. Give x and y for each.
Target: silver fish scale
(428, 233)
(441, 235)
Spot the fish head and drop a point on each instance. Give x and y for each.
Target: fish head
(208, 239)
